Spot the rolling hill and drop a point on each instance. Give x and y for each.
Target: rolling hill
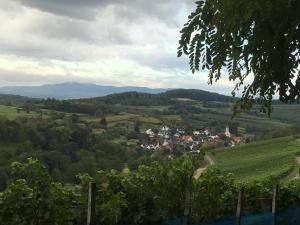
(260, 160)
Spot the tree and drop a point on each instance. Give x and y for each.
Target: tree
(259, 38)
(31, 197)
(28, 106)
(137, 127)
(103, 123)
(234, 128)
(74, 118)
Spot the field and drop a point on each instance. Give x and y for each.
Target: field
(11, 112)
(275, 157)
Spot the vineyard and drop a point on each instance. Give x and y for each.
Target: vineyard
(152, 195)
(260, 160)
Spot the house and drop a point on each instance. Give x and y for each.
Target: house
(196, 133)
(150, 133)
(187, 138)
(191, 146)
(150, 146)
(239, 140)
(154, 147)
(176, 135)
(213, 142)
(160, 134)
(165, 129)
(214, 137)
(165, 143)
(180, 131)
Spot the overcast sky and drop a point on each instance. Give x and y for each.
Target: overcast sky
(109, 42)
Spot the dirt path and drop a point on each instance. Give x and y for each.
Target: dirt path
(211, 161)
(201, 170)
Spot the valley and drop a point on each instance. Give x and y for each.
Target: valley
(114, 132)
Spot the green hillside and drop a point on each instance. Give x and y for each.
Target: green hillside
(274, 157)
(11, 112)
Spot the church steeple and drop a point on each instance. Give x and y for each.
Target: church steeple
(227, 132)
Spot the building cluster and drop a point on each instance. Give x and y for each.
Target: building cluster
(232, 140)
(179, 139)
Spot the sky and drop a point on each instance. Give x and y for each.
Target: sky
(108, 42)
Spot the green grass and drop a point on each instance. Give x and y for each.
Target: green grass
(11, 112)
(125, 117)
(124, 140)
(255, 161)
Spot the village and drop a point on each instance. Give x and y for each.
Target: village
(180, 140)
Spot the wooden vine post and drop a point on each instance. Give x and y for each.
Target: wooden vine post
(91, 211)
(274, 204)
(239, 206)
(188, 201)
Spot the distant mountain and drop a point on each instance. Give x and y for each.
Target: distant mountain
(73, 90)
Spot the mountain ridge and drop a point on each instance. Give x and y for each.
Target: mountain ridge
(73, 90)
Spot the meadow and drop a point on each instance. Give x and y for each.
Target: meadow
(11, 112)
(259, 160)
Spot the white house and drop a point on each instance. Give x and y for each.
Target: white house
(165, 129)
(160, 134)
(196, 133)
(149, 132)
(177, 135)
(180, 131)
(206, 132)
(214, 137)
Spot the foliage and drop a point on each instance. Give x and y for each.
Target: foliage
(259, 38)
(103, 123)
(150, 195)
(33, 198)
(197, 95)
(65, 144)
(214, 195)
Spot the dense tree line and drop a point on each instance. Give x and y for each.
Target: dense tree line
(66, 144)
(198, 95)
(104, 105)
(118, 102)
(13, 99)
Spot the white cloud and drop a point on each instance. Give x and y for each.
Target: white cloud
(110, 42)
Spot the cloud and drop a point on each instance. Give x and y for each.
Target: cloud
(71, 8)
(88, 10)
(113, 42)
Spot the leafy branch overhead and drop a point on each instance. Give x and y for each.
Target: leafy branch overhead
(255, 39)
